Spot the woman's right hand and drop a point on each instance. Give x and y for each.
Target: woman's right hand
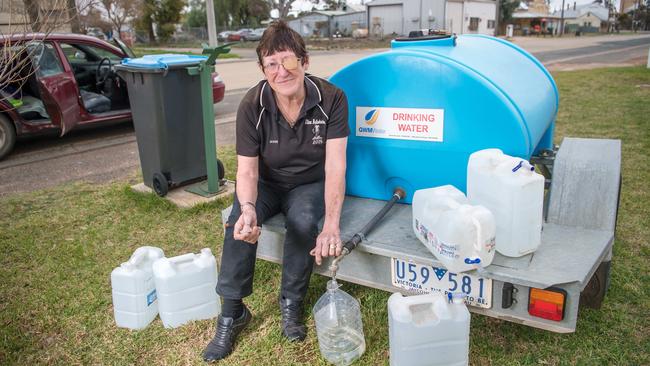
(246, 228)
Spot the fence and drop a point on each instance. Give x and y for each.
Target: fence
(185, 34)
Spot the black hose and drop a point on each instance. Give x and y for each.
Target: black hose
(398, 194)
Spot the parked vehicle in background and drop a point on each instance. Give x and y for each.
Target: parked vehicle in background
(241, 35)
(65, 82)
(256, 35)
(223, 36)
(96, 32)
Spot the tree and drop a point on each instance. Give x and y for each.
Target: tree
(27, 16)
(92, 17)
(119, 11)
(229, 13)
(167, 15)
(332, 4)
(196, 17)
(506, 9)
(33, 10)
(283, 6)
(73, 15)
(145, 19)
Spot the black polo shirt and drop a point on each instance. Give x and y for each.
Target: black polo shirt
(288, 156)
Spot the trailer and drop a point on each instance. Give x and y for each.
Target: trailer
(573, 261)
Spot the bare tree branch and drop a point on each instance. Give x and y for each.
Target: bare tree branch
(35, 20)
(119, 11)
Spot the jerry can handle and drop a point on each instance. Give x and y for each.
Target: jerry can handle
(138, 257)
(189, 257)
(414, 300)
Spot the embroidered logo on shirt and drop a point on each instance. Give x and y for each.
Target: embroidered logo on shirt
(314, 122)
(317, 139)
(273, 141)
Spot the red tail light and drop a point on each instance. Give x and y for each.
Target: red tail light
(547, 304)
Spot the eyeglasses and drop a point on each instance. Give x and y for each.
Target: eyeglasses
(289, 63)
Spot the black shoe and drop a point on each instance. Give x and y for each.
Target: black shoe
(227, 330)
(292, 325)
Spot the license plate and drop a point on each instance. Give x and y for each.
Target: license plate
(423, 279)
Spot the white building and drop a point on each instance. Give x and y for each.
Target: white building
(399, 17)
(473, 16)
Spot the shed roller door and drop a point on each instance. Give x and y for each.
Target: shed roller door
(391, 19)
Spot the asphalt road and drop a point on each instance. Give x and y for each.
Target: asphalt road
(609, 52)
(111, 153)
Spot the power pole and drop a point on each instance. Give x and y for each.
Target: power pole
(212, 28)
(562, 20)
(496, 18)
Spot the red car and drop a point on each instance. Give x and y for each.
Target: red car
(240, 35)
(63, 82)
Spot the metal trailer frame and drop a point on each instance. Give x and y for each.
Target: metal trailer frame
(574, 255)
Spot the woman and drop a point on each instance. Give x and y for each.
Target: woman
(291, 138)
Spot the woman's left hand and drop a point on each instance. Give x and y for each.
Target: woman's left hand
(328, 244)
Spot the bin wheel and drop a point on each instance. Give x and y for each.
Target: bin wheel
(160, 184)
(221, 171)
(594, 293)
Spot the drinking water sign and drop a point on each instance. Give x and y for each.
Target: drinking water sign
(400, 123)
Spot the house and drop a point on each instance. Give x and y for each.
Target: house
(400, 17)
(590, 18)
(15, 19)
(475, 16)
(326, 23)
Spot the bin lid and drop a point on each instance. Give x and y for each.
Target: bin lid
(162, 62)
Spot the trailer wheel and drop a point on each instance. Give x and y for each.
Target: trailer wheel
(160, 184)
(594, 293)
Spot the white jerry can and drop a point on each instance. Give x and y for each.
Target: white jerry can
(134, 291)
(428, 330)
(461, 236)
(511, 189)
(186, 287)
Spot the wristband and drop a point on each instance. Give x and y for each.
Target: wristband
(247, 203)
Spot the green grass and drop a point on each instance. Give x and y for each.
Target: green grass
(60, 245)
(141, 51)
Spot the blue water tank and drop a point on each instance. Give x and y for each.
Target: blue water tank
(419, 110)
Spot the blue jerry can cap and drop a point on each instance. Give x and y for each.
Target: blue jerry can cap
(163, 61)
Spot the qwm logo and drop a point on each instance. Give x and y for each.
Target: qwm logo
(371, 117)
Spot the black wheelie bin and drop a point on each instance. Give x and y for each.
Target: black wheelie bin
(166, 108)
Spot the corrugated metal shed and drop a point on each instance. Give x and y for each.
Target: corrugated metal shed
(326, 23)
(386, 17)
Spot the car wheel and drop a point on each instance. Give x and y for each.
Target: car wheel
(160, 184)
(7, 136)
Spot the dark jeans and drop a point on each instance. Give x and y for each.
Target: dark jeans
(303, 207)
